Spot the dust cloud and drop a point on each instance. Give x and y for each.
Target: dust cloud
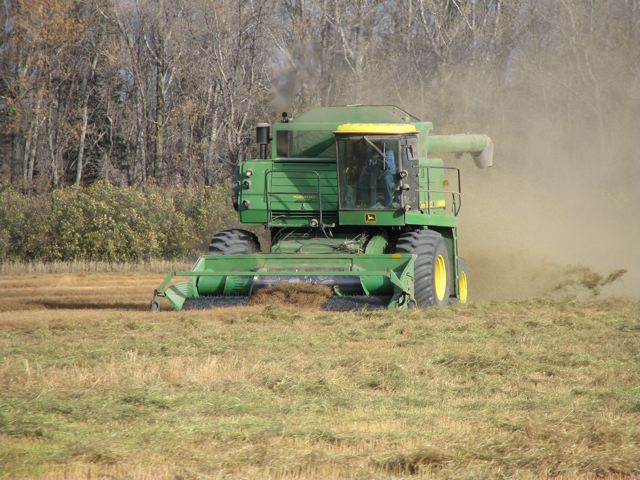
(553, 200)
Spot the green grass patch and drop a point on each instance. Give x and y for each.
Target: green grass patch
(513, 390)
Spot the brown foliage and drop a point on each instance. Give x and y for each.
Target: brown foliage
(49, 24)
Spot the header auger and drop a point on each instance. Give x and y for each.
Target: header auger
(354, 198)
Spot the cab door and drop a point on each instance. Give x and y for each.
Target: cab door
(409, 173)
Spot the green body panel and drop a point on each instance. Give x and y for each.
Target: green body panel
(434, 220)
(287, 193)
(339, 114)
(371, 218)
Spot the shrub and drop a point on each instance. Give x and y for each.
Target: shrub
(113, 224)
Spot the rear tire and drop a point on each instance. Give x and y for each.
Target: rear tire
(432, 285)
(234, 241)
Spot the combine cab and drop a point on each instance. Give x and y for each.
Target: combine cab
(354, 198)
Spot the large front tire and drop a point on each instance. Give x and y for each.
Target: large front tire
(432, 271)
(234, 241)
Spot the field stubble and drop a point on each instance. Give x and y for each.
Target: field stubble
(94, 386)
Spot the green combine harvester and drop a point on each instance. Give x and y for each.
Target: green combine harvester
(354, 198)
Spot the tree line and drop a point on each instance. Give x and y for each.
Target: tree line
(137, 91)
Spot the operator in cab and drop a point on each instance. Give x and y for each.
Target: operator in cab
(380, 167)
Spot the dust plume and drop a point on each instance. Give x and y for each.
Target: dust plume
(563, 192)
(555, 199)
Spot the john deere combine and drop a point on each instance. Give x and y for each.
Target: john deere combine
(354, 198)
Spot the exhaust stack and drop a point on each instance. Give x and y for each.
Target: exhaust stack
(263, 137)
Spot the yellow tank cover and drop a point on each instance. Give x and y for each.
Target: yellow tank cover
(376, 128)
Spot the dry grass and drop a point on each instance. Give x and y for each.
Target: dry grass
(94, 386)
(84, 266)
(76, 291)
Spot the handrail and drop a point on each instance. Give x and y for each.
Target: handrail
(456, 206)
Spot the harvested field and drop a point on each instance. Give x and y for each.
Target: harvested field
(94, 386)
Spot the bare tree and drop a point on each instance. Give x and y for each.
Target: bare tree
(134, 90)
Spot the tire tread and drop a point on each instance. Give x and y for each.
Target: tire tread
(233, 241)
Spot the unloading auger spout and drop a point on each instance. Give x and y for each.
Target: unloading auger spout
(479, 146)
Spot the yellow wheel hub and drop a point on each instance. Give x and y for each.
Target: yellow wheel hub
(463, 287)
(440, 276)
